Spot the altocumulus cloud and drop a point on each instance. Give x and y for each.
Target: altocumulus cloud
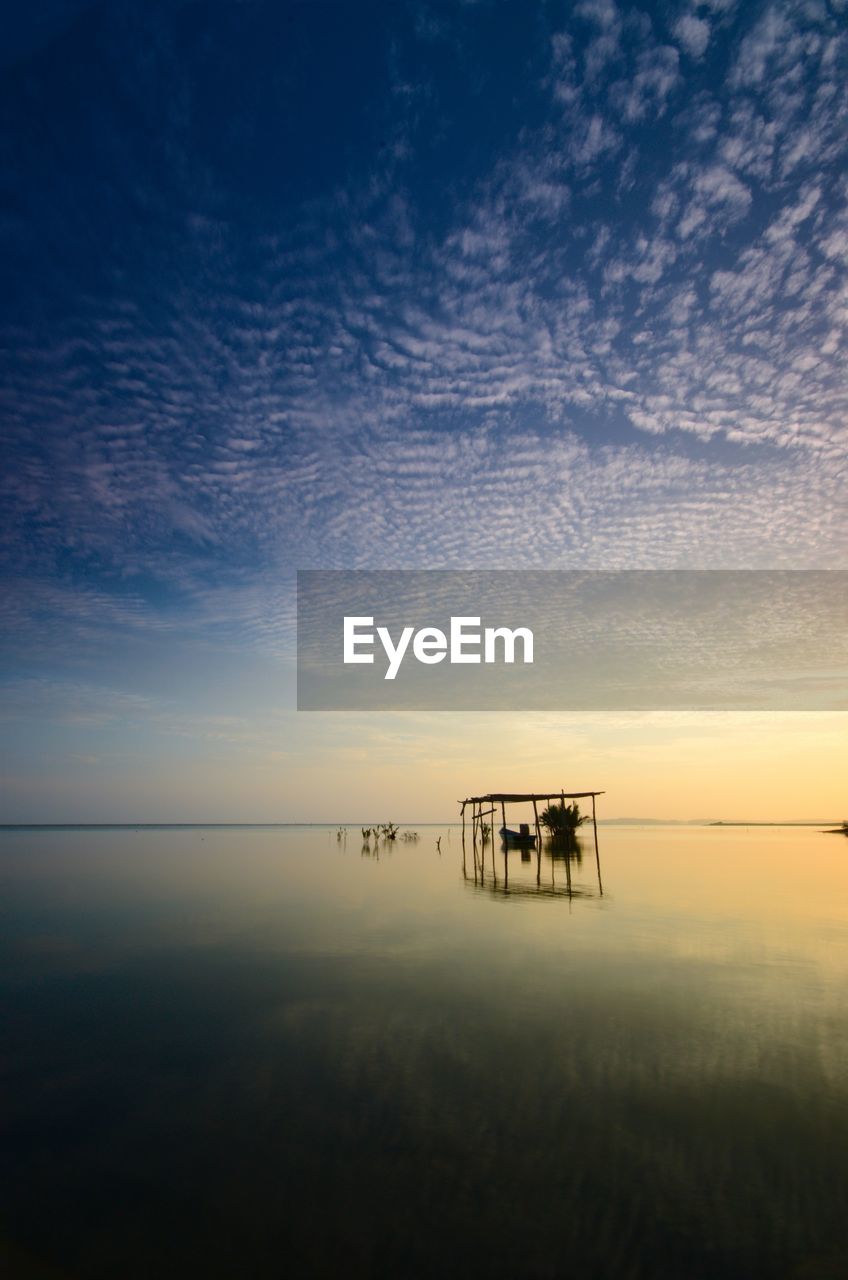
(506, 291)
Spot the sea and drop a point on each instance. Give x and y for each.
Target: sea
(260, 1051)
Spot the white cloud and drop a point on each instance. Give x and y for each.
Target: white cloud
(575, 370)
(693, 34)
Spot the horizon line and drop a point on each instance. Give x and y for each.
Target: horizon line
(189, 823)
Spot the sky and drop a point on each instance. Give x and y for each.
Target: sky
(492, 284)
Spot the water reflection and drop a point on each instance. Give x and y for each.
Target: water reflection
(553, 869)
(239, 1052)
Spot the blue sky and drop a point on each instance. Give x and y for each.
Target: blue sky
(451, 285)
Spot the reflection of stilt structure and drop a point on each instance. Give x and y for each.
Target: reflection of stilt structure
(478, 825)
(482, 807)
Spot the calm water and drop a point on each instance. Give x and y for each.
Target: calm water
(247, 1052)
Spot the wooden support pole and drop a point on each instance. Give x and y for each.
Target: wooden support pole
(567, 852)
(474, 837)
(462, 811)
(597, 854)
(494, 845)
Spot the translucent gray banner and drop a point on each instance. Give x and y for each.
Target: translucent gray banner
(438, 640)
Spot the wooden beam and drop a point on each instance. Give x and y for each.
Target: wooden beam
(497, 797)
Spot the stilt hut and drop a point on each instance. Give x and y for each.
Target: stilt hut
(496, 802)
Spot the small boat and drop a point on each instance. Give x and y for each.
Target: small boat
(523, 838)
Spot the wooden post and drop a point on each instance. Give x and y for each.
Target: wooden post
(567, 853)
(494, 865)
(597, 854)
(462, 811)
(474, 827)
(503, 816)
(473, 845)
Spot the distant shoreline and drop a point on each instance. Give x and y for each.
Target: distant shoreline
(823, 822)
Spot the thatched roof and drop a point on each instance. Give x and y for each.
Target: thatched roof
(498, 797)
